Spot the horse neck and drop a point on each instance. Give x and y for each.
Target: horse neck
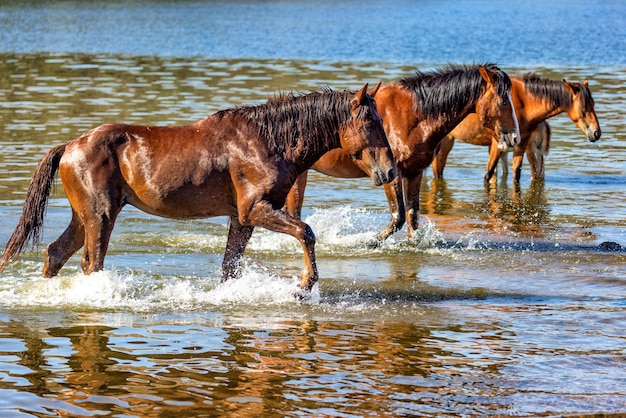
(311, 146)
(537, 108)
(439, 127)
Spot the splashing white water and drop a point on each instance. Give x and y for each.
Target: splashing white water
(114, 289)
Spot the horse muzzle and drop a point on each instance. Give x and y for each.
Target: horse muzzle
(508, 141)
(593, 134)
(382, 176)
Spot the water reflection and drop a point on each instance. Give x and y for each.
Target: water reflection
(476, 317)
(195, 369)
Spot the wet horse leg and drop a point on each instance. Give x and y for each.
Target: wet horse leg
(492, 162)
(533, 162)
(393, 191)
(264, 215)
(238, 237)
(98, 228)
(441, 157)
(518, 159)
(59, 251)
(412, 187)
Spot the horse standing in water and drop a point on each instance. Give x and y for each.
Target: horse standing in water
(535, 99)
(239, 163)
(417, 113)
(538, 147)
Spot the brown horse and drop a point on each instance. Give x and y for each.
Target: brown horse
(535, 99)
(538, 147)
(239, 163)
(417, 113)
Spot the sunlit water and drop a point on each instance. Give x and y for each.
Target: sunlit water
(504, 304)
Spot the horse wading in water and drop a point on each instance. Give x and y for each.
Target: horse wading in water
(418, 112)
(239, 163)
(535, 99)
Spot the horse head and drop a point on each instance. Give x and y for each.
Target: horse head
(582, 111)
(365, 141)
(495, 107)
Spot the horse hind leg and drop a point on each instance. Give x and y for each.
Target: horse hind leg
(59, 251)
(441, 156)
(238, 237)
(97, 235)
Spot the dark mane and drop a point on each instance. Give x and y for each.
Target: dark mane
(291, 121)
(552, 90)
(447, 91)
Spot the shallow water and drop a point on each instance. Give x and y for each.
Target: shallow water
(503, 305)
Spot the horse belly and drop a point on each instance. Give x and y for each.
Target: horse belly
(337, 163)
(471, 131)
(213, 197)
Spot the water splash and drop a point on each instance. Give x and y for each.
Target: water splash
(141, 292)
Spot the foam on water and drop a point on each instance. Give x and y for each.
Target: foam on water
(140, 292)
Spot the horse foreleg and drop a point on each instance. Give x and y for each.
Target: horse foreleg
(238, 237)
(59, 251)
(518, 158)
(295, 198)
(264, 215)
(441, 157)
(533, 162)
(412, 187)
(393, 191)
(492, 162)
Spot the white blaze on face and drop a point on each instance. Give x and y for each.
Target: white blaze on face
(503, 144)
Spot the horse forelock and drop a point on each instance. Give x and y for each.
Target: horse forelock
(449, 90)
(291, 122)
(552, 91)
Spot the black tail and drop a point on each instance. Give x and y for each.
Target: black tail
(30, 224)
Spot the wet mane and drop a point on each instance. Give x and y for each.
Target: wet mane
(552, 90)
(291, 121)
(448, 90)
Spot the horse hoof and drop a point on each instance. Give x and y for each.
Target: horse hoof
(374, 243)
(302, 295)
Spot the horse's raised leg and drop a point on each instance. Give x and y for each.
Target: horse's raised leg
(264, 215)
(295, 198)
(393, 191)
(412, 191)
(441, 157)
(238, 237)
(59, 251)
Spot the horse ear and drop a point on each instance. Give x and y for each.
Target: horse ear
(359, 97)
(569, 87)
(373, 91)
(485, 74)
(586, 82)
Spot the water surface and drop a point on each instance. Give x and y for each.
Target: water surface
(503, 305)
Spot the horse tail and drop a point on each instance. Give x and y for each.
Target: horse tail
(30, 224)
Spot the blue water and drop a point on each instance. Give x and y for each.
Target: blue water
(504, 305)
(511, 33)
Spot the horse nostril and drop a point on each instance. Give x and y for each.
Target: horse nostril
(597, 134)
(391, 174)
